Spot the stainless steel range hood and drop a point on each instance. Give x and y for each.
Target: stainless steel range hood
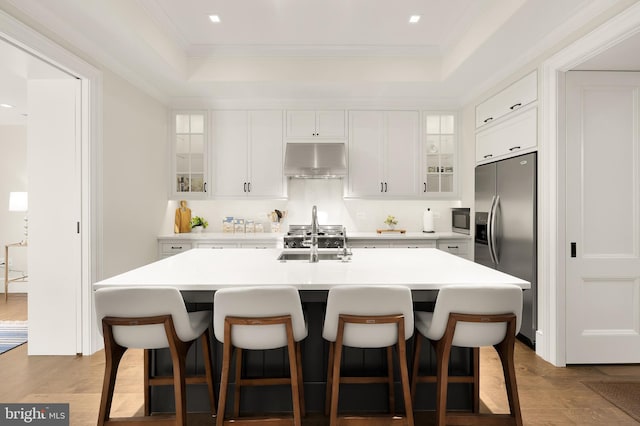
(315, 160)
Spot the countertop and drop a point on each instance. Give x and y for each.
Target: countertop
(279, 236)
(204, 269)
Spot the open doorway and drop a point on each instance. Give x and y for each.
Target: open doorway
(18, 71)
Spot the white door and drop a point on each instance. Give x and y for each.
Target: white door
(603, 217)
(401, 153)
(55, 256)
(366, 140)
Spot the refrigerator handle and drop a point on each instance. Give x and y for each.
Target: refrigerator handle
(494, 220)
(490, 224)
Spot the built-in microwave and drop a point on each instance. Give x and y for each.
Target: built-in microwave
(461, 220)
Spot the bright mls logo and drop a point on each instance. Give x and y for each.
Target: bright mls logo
(34, 414)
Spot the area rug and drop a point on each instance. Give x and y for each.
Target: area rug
(624, 395)
(12, 334)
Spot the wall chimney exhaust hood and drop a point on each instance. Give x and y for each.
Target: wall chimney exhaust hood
(315, 160)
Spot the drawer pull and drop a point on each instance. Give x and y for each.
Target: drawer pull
(488, 156)
(176, 247)
(453, 247)
(514, 106)
(486, 120)
(513, 148)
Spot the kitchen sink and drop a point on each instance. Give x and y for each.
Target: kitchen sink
(303, 255)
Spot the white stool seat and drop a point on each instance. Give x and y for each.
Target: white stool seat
(260, 318)
(368, 317)
(471, 316)
(152, 318)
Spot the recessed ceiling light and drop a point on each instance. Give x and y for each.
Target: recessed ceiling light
(214, 18)
(414, 19)
(6, 106)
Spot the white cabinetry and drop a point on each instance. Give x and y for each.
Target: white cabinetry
(458, 247)
(168, 248)
(189, 152)
(515, 136)
(514, 97)
(316, 125)
(383, 153)
(247, 154)
(439, 154)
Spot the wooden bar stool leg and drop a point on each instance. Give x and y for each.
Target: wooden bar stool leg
(236, 393)
(506, 351)
(303, 410)
(147, 386)
(227, 350)
(295, 380)
(327, 400)
(404, 376)
(208, 369)
(392, 396)
(335, 384)
(476, 380)
(443, 351)
(417, 341)
(179, 352)
(113, 356)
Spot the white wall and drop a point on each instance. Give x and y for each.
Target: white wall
(13, 177)
(135, 175)
(357, 215)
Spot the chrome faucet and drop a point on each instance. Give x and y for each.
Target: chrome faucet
(313, 254)
(345, 254)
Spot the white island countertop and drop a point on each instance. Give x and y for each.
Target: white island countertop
(206, 269)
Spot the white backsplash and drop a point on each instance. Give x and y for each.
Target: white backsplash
(333, 209)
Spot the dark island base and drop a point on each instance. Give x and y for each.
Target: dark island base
(274, 363)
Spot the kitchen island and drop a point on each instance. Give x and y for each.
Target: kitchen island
(199, 272)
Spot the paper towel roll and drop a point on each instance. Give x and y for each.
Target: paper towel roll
(427, 221)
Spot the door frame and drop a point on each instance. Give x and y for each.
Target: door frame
(27, 39)
(551, 336)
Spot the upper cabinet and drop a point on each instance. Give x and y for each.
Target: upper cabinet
(383, 154)
(316, 126)
(515, 136)
(514, 97)
(248, 154)
(190, 171)
(439, 149)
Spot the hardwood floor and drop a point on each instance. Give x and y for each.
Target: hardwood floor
(548, 395)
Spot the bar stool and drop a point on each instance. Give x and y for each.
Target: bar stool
(368, 317)
(259, 318)
(471, 316)
(152, 318)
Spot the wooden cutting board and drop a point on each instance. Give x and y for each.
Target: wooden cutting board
(399, 231)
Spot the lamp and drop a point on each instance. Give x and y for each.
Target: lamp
(19, 202)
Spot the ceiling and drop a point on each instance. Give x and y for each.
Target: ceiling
(323, 50)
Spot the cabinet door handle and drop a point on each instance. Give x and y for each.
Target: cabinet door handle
(245, 187)
(381, 187)
(425, 187)
(488, 156)
(205, 187)
(249, 187)
(385, 187)
(514, 106)
(513, 148)
(486, 120)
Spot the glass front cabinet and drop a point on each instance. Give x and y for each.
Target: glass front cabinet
(190, 154)
(439, 159)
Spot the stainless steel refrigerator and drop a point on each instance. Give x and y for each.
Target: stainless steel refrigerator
(505, 227)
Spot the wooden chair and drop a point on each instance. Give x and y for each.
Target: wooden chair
(471, 316)
(368, 317)
(151, 318)
(259, 318)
